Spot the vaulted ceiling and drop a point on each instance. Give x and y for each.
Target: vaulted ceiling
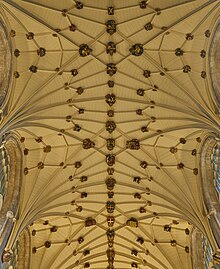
(111, 101)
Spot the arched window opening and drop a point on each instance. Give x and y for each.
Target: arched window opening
(203, 256)
(214, 56)
(5, 62)
(19, 256)
(215, 161)
(4, 170)
(210, 184)
(10, 187)
(207, 253)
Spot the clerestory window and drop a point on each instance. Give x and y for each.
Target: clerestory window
(5, 62)
(215, 163)
(4, 170)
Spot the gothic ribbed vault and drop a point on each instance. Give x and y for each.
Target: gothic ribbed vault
(111, 102)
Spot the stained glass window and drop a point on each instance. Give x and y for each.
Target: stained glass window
(208, 255)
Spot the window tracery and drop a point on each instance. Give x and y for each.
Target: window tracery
(214, 55)
(4, 169)
(10, 154)
(215, 163)
(203, 256)
(209, 166)
(19, 256)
